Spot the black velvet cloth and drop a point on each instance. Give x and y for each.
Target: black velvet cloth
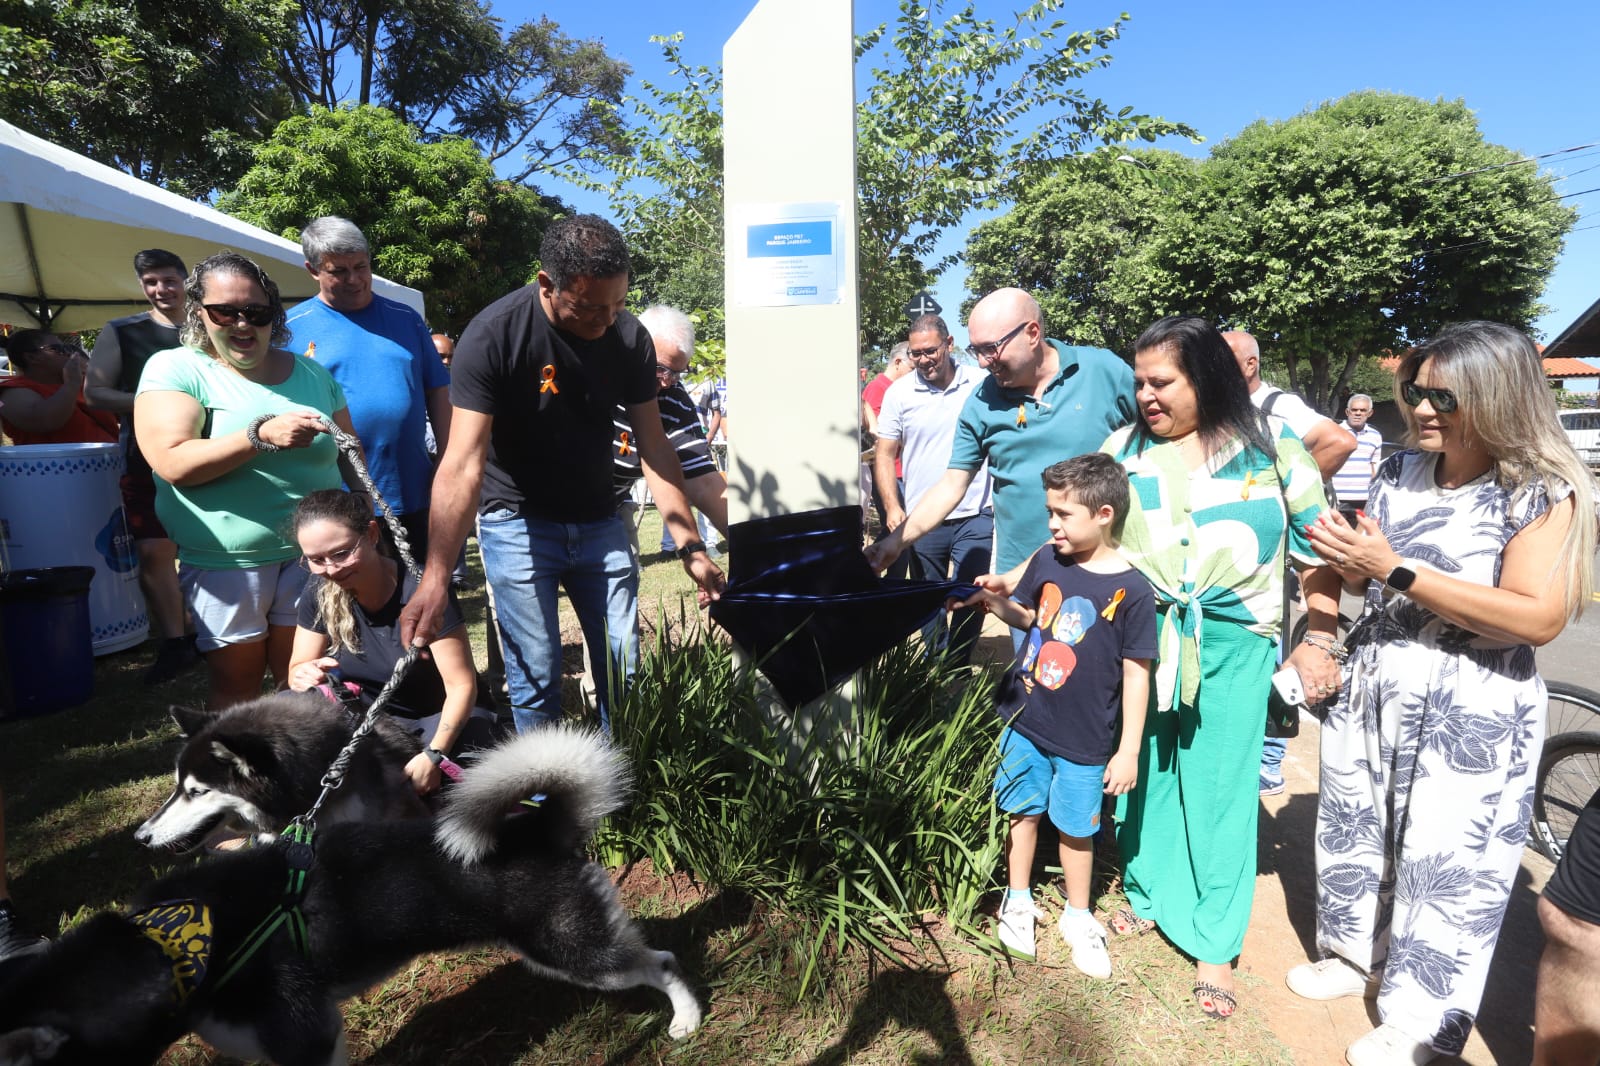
(803, 603)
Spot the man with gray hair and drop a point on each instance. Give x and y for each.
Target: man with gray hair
(1354, 478)
(382, 354)
(673, 334)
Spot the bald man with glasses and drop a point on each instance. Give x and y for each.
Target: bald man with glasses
(1042, 402)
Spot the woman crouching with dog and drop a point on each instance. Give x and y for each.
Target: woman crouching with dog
(348, 623)
(1477, 546)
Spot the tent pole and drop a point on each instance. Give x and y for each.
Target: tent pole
(42, 315)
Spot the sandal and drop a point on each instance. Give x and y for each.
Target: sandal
(1214, 1002)
(1126, 923)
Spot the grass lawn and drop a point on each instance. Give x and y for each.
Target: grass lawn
(77, 784)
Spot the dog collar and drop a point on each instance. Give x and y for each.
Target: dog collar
(182, 930)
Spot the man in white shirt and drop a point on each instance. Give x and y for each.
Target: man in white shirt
(917, 425)
(1355, 476)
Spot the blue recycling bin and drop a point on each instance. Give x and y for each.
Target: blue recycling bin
(49, 652)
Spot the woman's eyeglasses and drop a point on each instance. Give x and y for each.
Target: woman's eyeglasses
(1443, 400)
(228, 314)
(323, 562)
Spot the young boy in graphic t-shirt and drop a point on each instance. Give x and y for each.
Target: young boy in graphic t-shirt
(1083, 671)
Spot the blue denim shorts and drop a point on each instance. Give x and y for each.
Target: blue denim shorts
(1030, 781)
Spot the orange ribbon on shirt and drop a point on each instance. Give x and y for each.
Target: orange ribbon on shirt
(311, 350)
(1022, 413)
(622, 443)
(1249, 480)
(549, 383)
(1110, 612)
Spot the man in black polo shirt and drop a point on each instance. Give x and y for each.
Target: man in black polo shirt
(536, 378)
(119, 355)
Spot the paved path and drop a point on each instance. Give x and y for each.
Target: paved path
(1283, 934)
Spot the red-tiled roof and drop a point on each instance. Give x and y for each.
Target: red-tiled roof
(1559, 367)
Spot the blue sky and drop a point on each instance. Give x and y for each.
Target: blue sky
(1529, 73)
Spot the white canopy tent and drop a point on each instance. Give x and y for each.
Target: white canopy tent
(69, 229)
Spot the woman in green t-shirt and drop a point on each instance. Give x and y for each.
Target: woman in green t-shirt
(235, 428)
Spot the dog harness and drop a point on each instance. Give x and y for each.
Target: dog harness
(300, 857)
(182, 930)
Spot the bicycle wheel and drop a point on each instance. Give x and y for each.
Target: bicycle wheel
(1569, 774)
(1572, 710)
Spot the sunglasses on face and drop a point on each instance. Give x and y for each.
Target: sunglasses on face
(323, 562)
(1443, 400)
(228, 314)
(989, 352)
(59, 349)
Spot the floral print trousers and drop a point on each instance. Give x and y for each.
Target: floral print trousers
(1427, 788)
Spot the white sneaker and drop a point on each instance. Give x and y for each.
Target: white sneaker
(1388, 1046)
(1016, 925)
(1330, 979)
(1087, 939)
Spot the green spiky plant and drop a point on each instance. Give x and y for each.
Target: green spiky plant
(857, 831)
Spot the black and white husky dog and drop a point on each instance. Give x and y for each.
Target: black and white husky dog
(256, 766)
(493, 868)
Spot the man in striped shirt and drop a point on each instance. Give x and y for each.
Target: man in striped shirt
(673, 336)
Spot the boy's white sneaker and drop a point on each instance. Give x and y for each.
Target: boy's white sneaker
(1388, 1046)
(1016, 925)
(1332, 978)
(1087, 939)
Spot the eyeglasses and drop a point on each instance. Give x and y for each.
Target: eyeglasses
(923, 353)
(669, 375)
(1443, 400)
(986, 353)
(228, 314)
(323, 562)
(59, 349)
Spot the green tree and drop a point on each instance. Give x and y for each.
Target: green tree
(434, 212)
(445, 66)
(171, 92)
(958, 113)
(1355, 227)
(1071, 237)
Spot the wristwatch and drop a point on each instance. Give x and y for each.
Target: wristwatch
(434, 755)
(691, 548)
(1400, 578)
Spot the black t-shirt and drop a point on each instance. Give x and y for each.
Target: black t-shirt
(422, 692)
(1067, 679)
(552, 396)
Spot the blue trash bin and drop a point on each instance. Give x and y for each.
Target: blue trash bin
(44, 617)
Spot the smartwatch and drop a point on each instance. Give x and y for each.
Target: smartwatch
(691, 548)
(1400, 578)
(434, 755)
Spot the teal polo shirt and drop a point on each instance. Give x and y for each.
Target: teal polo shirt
(1090, 397)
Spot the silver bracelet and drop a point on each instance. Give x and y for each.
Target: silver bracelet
(252, 433)
(1329, 646)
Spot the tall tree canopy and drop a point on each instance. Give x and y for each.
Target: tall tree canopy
(959, 113)
(1071, 239)
(170, 91)
(434, 212)
(446, 66)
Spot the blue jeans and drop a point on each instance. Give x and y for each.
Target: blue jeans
(1272, 750)
(527, 561)
(965, 543)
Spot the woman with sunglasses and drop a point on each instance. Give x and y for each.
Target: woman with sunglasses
(43, 399)
(1476, 547)
(348, 623)
(234, 427)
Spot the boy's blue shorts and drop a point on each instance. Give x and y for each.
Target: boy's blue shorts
(1030, 781)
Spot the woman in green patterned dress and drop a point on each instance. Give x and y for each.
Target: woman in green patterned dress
(1220, 493)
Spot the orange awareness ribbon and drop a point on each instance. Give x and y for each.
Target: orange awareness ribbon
(1249, 480)
(622, 443)
(1022, 413)
(1110, 613)
(549, 383)
(311, 350)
